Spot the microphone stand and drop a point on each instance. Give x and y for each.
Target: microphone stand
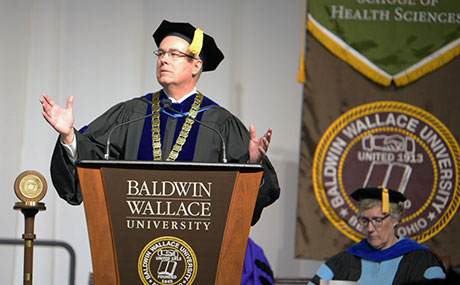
(107, 144)
(167, 105)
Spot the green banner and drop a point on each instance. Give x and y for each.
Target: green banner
(388, 40)
(356, 133)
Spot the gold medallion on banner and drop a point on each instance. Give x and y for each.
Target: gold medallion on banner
(30, 186)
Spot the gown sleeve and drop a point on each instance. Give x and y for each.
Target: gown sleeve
(343, 266)
(419, 266)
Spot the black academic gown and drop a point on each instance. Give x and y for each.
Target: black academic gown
(133, 142)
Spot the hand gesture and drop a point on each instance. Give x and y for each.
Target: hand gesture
(258, 147)
(60, 119)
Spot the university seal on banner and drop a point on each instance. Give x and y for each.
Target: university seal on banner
(393, 145)
(167, 260)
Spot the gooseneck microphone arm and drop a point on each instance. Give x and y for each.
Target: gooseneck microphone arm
(107, 144)
(166, 104)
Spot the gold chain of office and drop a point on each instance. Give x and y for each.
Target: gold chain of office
(182, 138)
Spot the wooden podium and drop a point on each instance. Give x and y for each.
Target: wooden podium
(168, 222)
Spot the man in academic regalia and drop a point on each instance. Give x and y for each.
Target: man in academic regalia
(382, 257)
(183, 53)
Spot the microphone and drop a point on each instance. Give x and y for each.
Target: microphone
(167, 105)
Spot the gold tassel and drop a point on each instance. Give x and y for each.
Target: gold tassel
(428, 67)
(197, 42)
(385, 201)
(301, 73)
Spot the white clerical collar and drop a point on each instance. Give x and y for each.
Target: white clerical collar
(183, 98)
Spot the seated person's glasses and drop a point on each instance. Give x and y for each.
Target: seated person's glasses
(172, 53)
(376, 221)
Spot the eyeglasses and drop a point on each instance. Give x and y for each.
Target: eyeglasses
(376, 221)
(172, 53)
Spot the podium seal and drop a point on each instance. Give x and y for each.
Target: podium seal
(167, 260)
(30, 186)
